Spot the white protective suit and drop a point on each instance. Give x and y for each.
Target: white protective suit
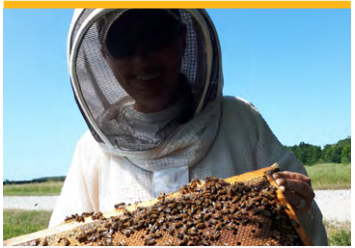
(226, 137)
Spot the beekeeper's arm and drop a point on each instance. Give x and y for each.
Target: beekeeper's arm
(80, 191)
(269, 150)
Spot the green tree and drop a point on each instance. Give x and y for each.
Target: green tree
(326, 153)
(309, 154)
(346, 154)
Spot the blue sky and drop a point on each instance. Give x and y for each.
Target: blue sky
(292, 64)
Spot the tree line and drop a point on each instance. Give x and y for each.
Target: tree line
(37, 180)
(309, 154)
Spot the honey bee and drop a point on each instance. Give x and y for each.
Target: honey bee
(233, 209)
(36, 242)
(180, 235)
(266, 213)
(230, 226)
(198, 216)
(183, 216)
(122, 243)
(257, 222)
(89, 231)
(208, 180)
(66, 242)
(219, 226)
(218, 205)
(280, 208)
(213, 190)
(172, 205)
(171, 231)
(154, 216)
(127, 232)
(207, 203)
(96, 216)
(185, 220)
(286, 227)
(92, 239)
(205, 243)
(193, 184)
(295, 223)
(126, 212)
(190, 243)
(118, 205)
(214, 221)
(249, 205)
(68, 218)
(162, 196)
(207, 216)
(201, 226)
(245, 221)
(82, 238)
(174, 211)
(235, 199)
(157, 235)
(216, 235)
(199, 208)
(192, 231)
(222, 192)
(109, 242)
(169, 243)
(217, 215)
(43, 242)
(198, 181)
(183, 242)
(225, 211)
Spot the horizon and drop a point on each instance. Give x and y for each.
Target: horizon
(292, 64)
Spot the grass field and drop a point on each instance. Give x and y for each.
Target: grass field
(330, 176)
(339, 233)
(17, 222)
(33, 189)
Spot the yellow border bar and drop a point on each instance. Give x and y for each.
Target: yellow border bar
(180, 4)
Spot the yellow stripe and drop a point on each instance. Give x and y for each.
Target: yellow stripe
(182, 4)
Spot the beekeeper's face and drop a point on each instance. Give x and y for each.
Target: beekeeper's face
(144, 49)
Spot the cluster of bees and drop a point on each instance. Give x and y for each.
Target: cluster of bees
(81, 218)
(215, 213)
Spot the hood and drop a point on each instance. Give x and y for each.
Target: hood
(97, 91)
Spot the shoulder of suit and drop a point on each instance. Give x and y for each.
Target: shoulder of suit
(231, 103)
(87, 140)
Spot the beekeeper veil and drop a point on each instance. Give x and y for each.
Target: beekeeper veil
(156, 140)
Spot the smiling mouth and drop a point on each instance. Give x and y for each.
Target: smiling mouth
(145, 77)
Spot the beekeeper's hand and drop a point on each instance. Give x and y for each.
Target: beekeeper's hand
(297, 189)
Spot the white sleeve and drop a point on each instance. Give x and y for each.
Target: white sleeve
(78, 193)
(269, 150)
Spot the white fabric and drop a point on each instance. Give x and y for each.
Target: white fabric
(97, 180)
(123, 125)
(183, 149)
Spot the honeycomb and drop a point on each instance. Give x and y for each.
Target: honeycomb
(245, 210)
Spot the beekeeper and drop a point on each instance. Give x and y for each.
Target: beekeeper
(149, 85)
